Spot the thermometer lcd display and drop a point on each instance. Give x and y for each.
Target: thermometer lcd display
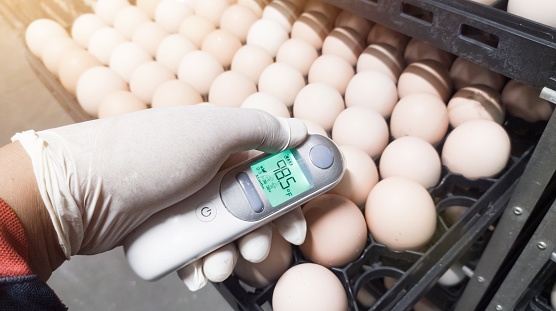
(281, 177)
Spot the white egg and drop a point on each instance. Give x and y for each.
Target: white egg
(108, 9)
(332, 70)
(298, 54)
(74, 62)
(94, 84)
(174, 93)
(103, 43)
(373, 89)
(312, 27)
(149, 36)
(230, 89)
(268, 34)
(127, 57)
(118, 103)
(237, 19)
(54, 49)
(268, 103)
(199, 69)
(147, 77)
(84, 26)
(319, 103)
(169, 14)
(129, 19)
(40, 32)
(251, 61)
(283, 81)
(222, 45)
(211, 10)
(196, 28)
(172, 50)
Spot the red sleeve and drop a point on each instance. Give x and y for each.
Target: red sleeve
(14, 253)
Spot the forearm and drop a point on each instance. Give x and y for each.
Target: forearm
(18, 188)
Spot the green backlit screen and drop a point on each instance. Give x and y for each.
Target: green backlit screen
(281, 177)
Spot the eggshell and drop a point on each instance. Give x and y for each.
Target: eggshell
(344, 42)
(148, 6)
(320, 103)
(428, 76)
(422, 115)
(417, 50)
(84, 26)
(147, 77)
(40, 32)
(361, 127)
(118, 103)
(223, 45)
(237, 19)
(475, 102)
(332, 70)
(174, 93)
(400, 214)
(74, 62)
(230, 89)
(199, 69)
(108, 9)
(536, 10)
(268, 103)
(127, 57)
(360, 176)
(336, 231)
(329, 10)
(268, 271)
(129, 19)
(452, 214)
(413, 158)
(309, 286)
(314, 128)
(54, 49)
(268, 34)
(312, 27)
(383, 34)
(476, 149)
(212, 10)
(251, 61)
(372, 89)
(196, 28)
(350, 20)
(94, 84)
(381, 57)
(103, 42)
(256, 6)
(284, 12)
(149, 36)
(298, 54)
(283, 81)
(172, 50)
(169, 14)
(523, 101)
(464, 73)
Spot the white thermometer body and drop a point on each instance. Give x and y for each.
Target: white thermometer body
(236, 201)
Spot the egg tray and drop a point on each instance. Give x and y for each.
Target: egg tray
(418, 272)
(513, 46)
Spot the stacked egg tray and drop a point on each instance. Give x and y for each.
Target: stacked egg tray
(417, 272)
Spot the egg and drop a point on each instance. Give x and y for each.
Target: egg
(427, 76)
(283, 81)
(298, 54)
(94, 84)
(103, 42)
(237, 19)
(309, 286)
(487, 2)
(230, 89)
(251, 61)
(336, 231)
(332, 70)
(383, 34)
(329, 10)
(400, 214)
(361, 127)
(314, 128)
(199, 69)
(361, 25)
(172, 50)
(320, 103)
(84, 26)
(372, 89)
(553, 296)
(344, 42)
(381, 57)
(284, 12)
(127, 57)
(174, 93)
(475, 102)
(360, 176)
(169, 14)
(148, 6)
(129, 19)
(536, 10)
(40, 32)
(451, 214)
(54, 49)
(268, 271)
(196, 28)
(147, 77)
(453, 276)
(108, 9)
(257, 6)
(418, 49)
(222, 45)
(464, 73)
(475, 149)
(413, 158)
(268, 103)
(72, 65)
(149, 35)
(523, 101)
(421, 115)
(212, 10)
(312, 27)
(119, 103)
(268, 34)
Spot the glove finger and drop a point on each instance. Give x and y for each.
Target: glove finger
(218, 265)
(292, 226)
(192, 275)
(255, 245)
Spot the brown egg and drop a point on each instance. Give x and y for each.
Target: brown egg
(475, 102)
(523, 101)
(464, 73)
(425, 76)
(336, 231)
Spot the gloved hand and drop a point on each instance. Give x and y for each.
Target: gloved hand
(101, 179)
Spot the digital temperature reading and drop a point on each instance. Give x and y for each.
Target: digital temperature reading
(281, 177)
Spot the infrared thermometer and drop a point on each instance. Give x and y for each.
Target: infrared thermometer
(235, 202)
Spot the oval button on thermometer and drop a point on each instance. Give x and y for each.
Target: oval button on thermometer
(235, 202)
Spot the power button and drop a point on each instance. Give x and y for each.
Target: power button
(206, 211)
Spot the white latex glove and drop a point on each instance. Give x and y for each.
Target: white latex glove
(101, 179)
